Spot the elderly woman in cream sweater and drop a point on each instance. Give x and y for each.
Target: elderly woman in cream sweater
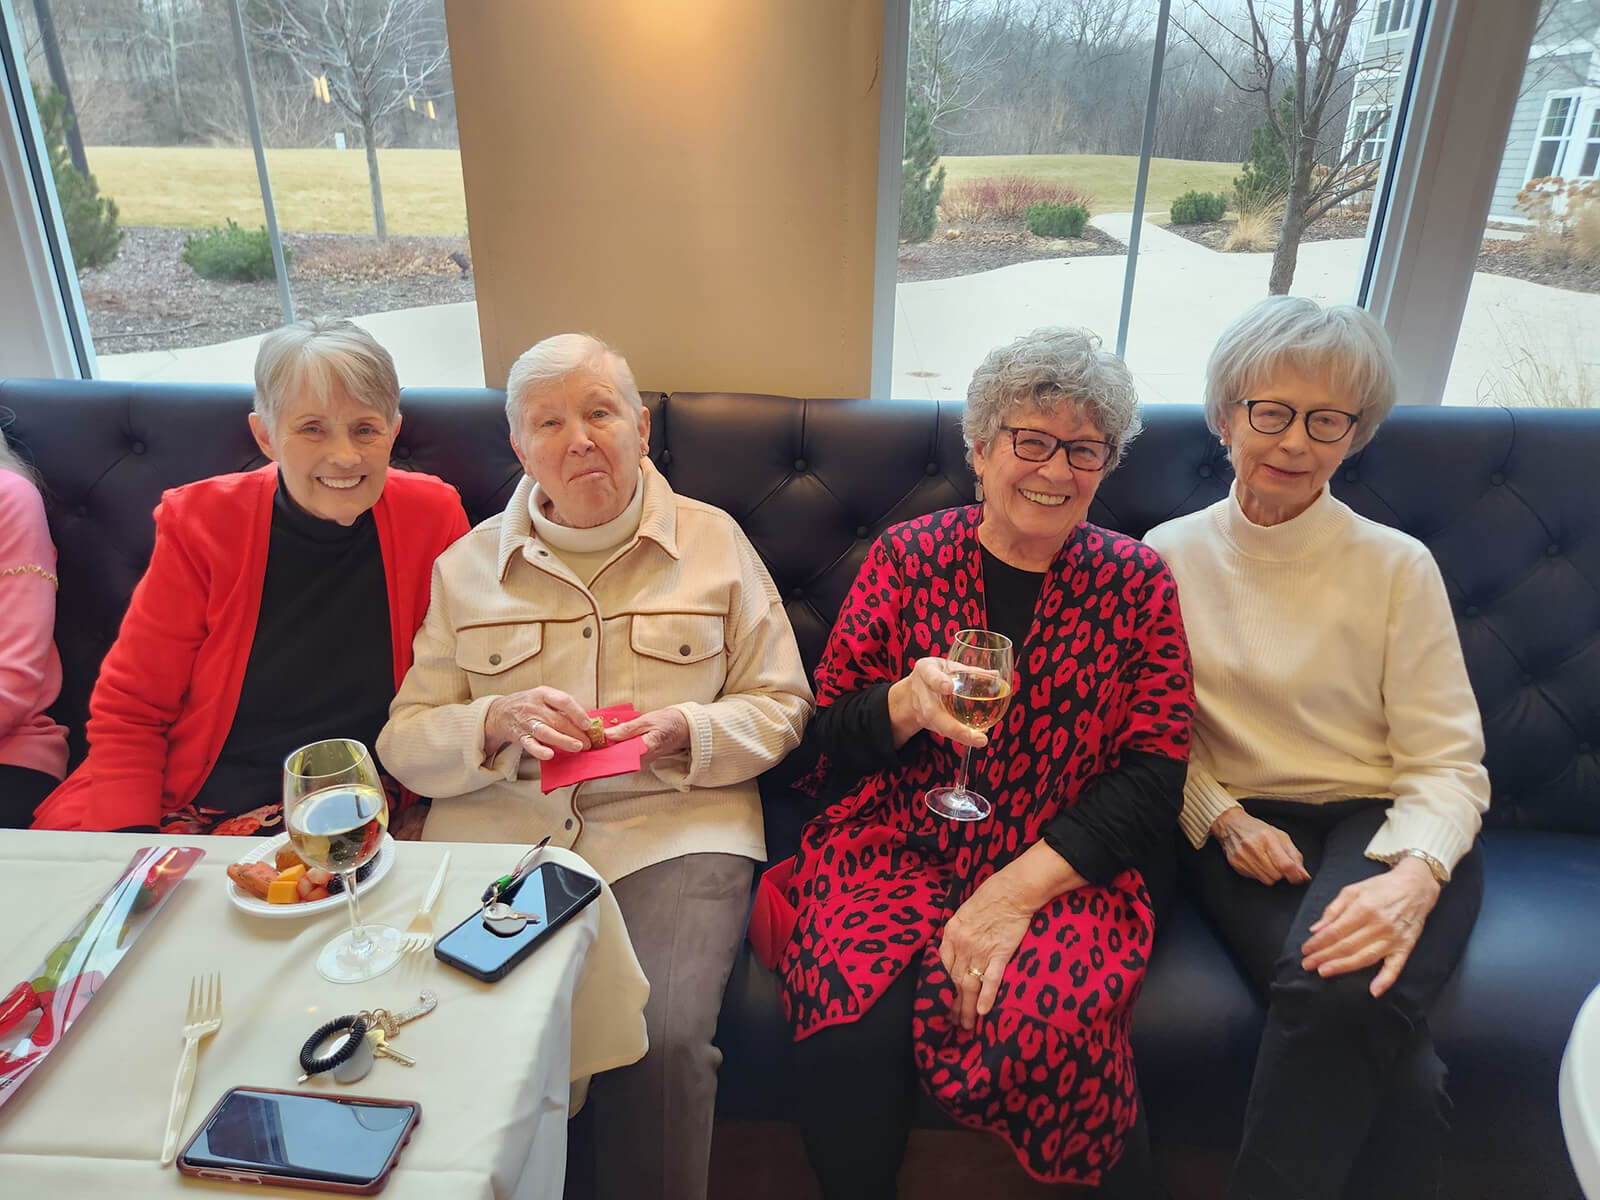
(598, 585)
(1335, 779)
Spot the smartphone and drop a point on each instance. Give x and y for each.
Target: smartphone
(301, 1139)
(551, 892)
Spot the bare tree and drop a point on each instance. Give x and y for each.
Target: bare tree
(374, 54)
(1563, 41)
(955, 44)
(1302, 47)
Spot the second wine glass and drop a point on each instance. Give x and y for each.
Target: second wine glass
(337, 814)
(980, 666)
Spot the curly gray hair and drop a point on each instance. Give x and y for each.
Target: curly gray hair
(310, 354)
(1049, 369)
(558, 356)
(1342, 343)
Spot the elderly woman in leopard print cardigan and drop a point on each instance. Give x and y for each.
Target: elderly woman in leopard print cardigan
(996, 961)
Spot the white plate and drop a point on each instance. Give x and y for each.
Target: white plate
(268, 850)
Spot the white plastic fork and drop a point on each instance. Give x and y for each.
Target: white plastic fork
(419, 934)
(204, 1019)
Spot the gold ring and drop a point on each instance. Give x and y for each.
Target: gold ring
(974, 972)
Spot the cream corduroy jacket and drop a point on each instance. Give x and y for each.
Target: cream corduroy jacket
(684, 616)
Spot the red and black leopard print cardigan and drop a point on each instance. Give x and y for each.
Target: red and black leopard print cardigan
(1104, 670)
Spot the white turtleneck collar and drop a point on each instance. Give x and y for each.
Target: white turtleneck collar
(597, 540)
(1297, 537)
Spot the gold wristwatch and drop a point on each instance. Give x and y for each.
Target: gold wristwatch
(1440, 872)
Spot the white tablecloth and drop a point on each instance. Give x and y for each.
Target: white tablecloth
(494, 1061)
(1580, 1095)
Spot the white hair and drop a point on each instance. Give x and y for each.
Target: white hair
(10, 460)
(308, 355)
(558, 356)
(1342, 343)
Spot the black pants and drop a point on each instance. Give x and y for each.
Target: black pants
(21, 791)
(857, 1092)
(1348, 1095)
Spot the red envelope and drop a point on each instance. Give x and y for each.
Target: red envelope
(614, 758)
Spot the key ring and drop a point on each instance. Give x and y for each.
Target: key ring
(344, 1059)
(498, 916)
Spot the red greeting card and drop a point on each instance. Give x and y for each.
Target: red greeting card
(614, 758)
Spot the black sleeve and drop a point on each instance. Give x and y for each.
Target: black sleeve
(1122, 818)
(855, 734)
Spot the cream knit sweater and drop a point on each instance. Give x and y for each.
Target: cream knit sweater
(1326, 665)
(682, 614)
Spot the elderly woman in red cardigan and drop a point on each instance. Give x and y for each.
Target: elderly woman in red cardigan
(994, 962)
(278, 607)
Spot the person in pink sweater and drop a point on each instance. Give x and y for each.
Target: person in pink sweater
(33, 748)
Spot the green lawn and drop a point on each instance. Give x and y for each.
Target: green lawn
(315, 191)
(1109, 178)
(325, 191)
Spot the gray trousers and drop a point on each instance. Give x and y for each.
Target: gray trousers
(652, 1120)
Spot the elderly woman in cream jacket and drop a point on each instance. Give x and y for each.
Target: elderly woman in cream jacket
(598, 585)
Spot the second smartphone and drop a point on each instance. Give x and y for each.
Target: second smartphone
(551, 892)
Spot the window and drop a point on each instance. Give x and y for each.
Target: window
(141, 106)
(1392, 16)
(1371, 127)
(1555, 131)
(1591, 149)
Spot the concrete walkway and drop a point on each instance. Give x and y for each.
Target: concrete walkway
(1184, 295)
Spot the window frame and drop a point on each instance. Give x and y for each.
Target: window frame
(1563, 141)
(1397, 15)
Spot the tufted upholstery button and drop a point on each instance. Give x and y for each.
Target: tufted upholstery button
(137, 447)
(1552, 550)
(931, 469)
(587, 632)
(569, 823)
(800, 466)
(1497, 478)
(1351, 476)
(684, 650)
(798, 594)
(1585, 748)
(83, 510)
(542, 552)
(1470, 610)
(861, 532)
(402, 452)
(1527, 681)
(1205, 471)
(494, 660)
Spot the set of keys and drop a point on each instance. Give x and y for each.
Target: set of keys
(362, 1038)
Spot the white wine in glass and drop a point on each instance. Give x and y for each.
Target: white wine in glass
(980, 667)
(336, 812)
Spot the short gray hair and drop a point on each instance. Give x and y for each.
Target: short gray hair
(310, 354)
(1342, 342)
(558, 356)
(1049, 369)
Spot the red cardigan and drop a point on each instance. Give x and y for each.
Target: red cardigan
(169, 686)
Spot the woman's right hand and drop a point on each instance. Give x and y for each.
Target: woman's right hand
(542, 720)
(917, 702)
(1258, 850)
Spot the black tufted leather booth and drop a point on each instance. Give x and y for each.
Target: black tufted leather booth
(1509, 502)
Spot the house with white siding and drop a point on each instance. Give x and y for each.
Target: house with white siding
(1555, 130)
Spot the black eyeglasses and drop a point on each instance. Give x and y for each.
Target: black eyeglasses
(1322, 424)
(1035, 445)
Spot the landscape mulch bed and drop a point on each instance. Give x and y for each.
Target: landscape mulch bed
(148, 298)
(968, 247)
(1496, 257)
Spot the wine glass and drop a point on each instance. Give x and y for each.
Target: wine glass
(337, 813)
(980, 666)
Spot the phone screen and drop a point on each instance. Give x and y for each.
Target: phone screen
(311, 1137)
(551, 892)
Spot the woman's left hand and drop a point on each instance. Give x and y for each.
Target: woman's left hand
(1378, 918)
(979, 940)
(665, 731)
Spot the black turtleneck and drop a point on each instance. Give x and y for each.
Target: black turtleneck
(321, 664)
